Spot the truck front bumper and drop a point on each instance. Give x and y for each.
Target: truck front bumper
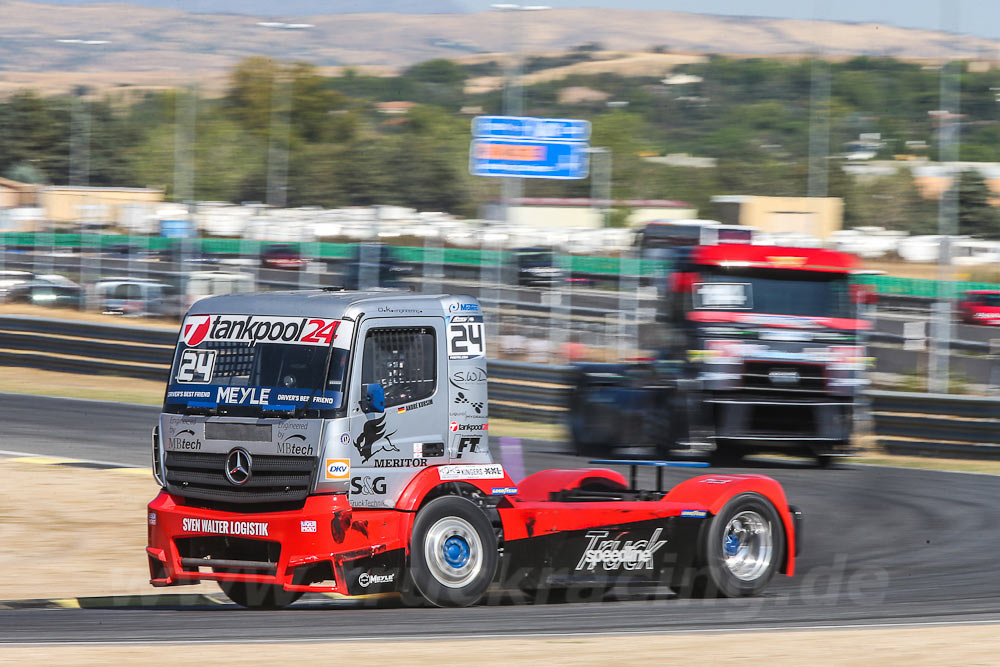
(326, 546)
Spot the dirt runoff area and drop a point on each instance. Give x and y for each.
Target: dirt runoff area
(74, 532)
(913, 647)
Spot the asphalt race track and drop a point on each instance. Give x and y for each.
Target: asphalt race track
(882, 546)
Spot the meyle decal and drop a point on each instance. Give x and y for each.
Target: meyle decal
(471, 471)
(504, 491)
(295, 445)
(243, 395)
(368, 486)
(366, 579)
(612, 554)
(400, 463)
(406, 408)
(307, 526)
(338, 469)
(253, 329)
(460, 399)
(467, 445)
(225, 527)
(184, 440)
(371, 433)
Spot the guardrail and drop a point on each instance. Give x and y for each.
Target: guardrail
(904, 422)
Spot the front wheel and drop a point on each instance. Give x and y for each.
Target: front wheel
(453, 552)
(258, 596)
(743, 546)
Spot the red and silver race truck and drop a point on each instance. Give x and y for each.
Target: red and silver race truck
(759, 348)
(339, 442)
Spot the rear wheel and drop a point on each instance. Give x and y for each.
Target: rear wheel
(743, 546)
(453, 552)
(258, 596)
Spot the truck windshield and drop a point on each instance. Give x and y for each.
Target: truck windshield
(991, 300)
(776, 292)
(255, 378)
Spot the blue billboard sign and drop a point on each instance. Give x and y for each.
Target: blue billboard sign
(560, 160)
(537, 129)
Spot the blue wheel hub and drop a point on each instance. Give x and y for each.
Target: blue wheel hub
(731, 545)
(456, 551)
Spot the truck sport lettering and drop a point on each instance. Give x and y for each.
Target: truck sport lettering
(611, 554)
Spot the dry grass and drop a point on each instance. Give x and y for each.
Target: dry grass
(58, 542)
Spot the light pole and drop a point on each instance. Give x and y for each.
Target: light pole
(513, 91)
(948, 129)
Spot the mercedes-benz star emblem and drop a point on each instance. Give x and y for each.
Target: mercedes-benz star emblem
(238, 467)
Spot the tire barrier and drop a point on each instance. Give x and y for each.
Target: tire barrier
(904, 422)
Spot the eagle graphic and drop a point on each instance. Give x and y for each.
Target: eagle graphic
(373, 431)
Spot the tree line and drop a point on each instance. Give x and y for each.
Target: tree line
(326, 143)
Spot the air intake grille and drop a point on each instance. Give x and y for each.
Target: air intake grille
(273, 478)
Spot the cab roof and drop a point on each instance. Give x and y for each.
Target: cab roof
(326, 303)
(775, 257)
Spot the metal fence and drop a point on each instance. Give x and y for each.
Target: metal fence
(904, 422)
(923, 290)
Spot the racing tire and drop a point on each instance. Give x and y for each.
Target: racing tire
(258, 596)
(742, 546)
(453, 552)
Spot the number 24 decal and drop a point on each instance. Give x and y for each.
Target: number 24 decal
(196, 366)
(465, 341)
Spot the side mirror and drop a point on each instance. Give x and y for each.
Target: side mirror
(373, 398)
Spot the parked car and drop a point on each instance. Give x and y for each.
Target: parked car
(41, 292)
(48, 289)
(372, 265)
(535, 267)
(980, 307)
(136, 297)
(282, 256)
(10, 279)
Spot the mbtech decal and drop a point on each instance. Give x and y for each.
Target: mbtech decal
(253, 329)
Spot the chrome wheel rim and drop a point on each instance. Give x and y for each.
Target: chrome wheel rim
(453, 552)
(747, 546)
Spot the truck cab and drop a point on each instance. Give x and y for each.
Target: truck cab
(365, 386)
